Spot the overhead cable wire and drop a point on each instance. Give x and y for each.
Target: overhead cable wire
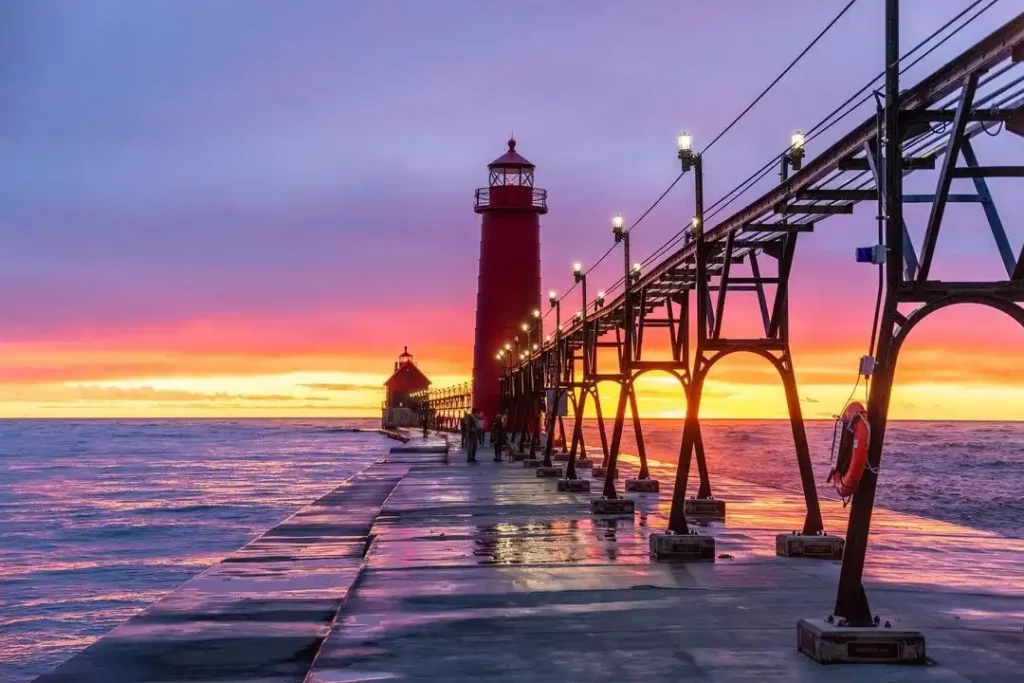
(833, 117)
(724, 131)
(821, 34)
(829, 121)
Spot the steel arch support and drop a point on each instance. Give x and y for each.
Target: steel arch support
(812, 521)
(577, 434)
(613, 452)
(704, 490)
(549, 431)
(685, 380)
(692, 441)
(851, 599)
(691, 433)
(638, 434)
(602, 432)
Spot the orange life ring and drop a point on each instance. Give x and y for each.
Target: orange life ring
(853, 450)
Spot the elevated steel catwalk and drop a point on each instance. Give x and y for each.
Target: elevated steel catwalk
(930, 126)
(841, 176)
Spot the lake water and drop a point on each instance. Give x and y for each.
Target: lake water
(100, 518)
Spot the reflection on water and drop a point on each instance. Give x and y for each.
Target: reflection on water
(100, 518)
(969, 473)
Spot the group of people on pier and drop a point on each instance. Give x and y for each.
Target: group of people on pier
(474, 433)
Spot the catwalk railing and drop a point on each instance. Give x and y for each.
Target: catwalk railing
(931, 128)
(442, 409)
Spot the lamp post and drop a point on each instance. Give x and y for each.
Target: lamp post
(689, 160)
(525, 331)
(623, 236)
(538, 322)
(557, 305)
(625, 362)
(581, 279)
(794, 156)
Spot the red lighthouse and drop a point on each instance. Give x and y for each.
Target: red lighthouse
(508, 290)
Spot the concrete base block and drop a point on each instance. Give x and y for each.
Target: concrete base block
(550, 472)
(584, 462)
(560, 457)
(831, 644)
(612, 506)
(532, 462)
(682, 547)
(599, 472)
(642, 485)
(574, 485)
(517, 456)
(816, 545)
(704, 508)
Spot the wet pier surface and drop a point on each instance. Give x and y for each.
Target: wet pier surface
(421, 569)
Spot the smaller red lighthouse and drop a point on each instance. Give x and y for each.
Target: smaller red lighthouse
(508, 290)
(399, 402)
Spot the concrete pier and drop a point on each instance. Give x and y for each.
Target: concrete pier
(423, 567)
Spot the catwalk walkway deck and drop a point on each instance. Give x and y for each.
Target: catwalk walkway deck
(417, 569)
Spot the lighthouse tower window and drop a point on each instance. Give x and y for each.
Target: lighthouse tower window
(511, 176)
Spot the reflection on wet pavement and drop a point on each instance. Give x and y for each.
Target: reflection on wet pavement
(513, 581)
(426, 570)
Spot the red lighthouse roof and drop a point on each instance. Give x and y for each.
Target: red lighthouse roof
(511, 158)
(407, 377)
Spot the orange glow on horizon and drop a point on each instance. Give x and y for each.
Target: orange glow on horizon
(324, 368)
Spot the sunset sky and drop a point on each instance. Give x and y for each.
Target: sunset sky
(225, 208)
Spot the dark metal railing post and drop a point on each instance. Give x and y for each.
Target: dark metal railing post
(625, 371)
(577, 432)
(553, 408)
(691, 428)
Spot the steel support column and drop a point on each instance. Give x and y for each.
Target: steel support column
(577, 435)
(851, 600)
(638, 434)
(613, 451)
(602, 432)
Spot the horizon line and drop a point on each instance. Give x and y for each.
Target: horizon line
(356, 417)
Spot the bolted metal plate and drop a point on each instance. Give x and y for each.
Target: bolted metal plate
(831, 644)
(642, 485)
(560, 457)
(584, 462)
(612, 506)
(599, 472)
(574, 485)
(552, 472)
(707, 508)
(815, 546)
(682, 547)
